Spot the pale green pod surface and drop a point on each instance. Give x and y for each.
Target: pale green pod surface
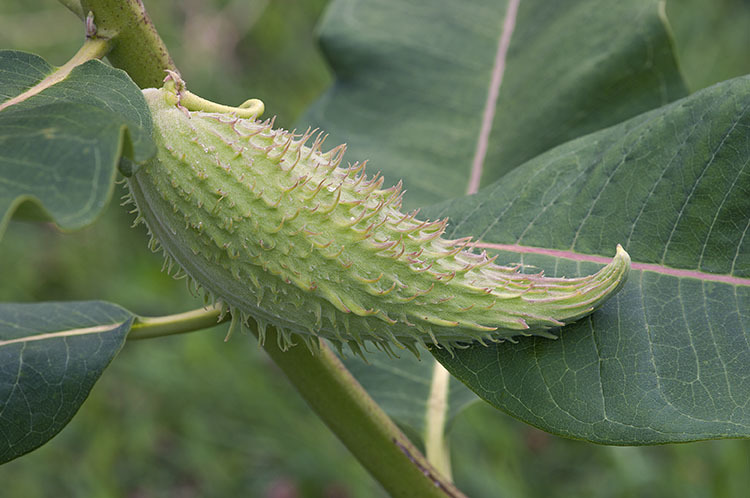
(282, 233)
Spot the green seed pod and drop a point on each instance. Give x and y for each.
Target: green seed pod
(282, 234)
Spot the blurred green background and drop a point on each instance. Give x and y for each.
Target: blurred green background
(192, 416)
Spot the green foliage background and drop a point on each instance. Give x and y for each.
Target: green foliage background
(194, 416)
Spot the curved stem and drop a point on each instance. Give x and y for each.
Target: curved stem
(359, 422)
(92, 48)
(251, 108)
(180, 323)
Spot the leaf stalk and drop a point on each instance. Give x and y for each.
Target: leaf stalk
(180, 323)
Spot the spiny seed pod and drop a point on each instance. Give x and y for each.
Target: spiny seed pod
(282, 234)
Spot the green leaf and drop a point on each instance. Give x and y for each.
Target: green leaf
(412, 87)
(51, 354)
(59, 148)
(405, 389)
(414, 82)
(667, 359)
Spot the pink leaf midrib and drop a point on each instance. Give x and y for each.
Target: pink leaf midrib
(575, 256)
(488, 116)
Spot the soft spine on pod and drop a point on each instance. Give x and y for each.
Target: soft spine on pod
(282, 234)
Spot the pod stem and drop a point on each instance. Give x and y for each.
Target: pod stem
(250, 109)
(374, 439)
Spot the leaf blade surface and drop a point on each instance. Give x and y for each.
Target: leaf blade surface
(418, 87)
(666, 359)
(51, 354)
(59, 148)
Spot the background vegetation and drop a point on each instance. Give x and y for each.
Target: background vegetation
(192, 416)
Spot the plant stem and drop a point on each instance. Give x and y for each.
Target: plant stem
(136, 46)
(358, 421)
(92, 48)
(148, 327)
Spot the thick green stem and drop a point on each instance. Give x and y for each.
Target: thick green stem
(136, 46)
(359, 422)
(148, 327)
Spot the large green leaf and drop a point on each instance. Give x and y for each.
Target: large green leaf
(59, 148)
(51, 354)
(420, 86)
(412, 90)
(667, 359)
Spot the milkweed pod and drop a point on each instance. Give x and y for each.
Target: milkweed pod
(276, 228)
